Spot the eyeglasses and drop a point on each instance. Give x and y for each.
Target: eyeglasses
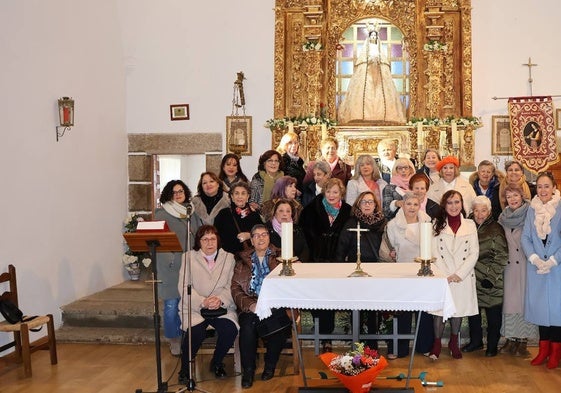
(178, 192)
(399, 168)
(367, 202)
(261, 235)
(273, 161)
(208, 239)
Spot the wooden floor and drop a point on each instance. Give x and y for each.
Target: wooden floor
(94, 368)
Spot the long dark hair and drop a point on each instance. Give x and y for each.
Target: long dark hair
(440, 222)
(239, 174)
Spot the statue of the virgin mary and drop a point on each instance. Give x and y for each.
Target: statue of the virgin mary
(371, 95)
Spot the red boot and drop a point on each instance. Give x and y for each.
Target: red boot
(454, 347)
(543, 353)
(436, 348)
(554, 355)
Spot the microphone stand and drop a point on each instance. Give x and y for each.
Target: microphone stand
(191, 384)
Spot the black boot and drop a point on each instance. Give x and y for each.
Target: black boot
(247, 378)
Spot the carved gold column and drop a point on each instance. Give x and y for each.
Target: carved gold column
(312, 64)
(433, 87)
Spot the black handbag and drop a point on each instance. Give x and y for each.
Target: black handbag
(10, 311)
(208, 313)
(278, 321)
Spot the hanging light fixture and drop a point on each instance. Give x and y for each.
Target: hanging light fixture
(65, 116)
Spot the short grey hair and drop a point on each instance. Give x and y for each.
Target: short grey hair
(481, 200)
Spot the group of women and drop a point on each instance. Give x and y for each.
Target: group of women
(498, 249)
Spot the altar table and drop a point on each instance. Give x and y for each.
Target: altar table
(391, 287)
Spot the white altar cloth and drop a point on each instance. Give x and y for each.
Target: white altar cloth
(392, 287)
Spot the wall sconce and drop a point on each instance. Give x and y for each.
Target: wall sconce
(65, 116)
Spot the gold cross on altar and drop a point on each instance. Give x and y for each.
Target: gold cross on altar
(530, 79)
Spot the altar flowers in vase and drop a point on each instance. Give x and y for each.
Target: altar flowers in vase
(357, 369)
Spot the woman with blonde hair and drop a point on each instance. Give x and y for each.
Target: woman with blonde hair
(402, 171)
(514, 177)
(293, 164)
(366, 178)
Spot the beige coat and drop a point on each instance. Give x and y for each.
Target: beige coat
(458, 254)
(204, 281)
(438, 189)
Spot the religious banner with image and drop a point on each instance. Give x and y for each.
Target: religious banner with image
(533, 132)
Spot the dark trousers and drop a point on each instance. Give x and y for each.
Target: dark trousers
(425, 338)
(326, 321)
(494, 323)
(403, 327)
(552, 333)
(248, 343)
(226, 331)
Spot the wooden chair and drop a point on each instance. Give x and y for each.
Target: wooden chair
(23, 347)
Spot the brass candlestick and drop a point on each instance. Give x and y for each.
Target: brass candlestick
(287, 269)
(425, 269)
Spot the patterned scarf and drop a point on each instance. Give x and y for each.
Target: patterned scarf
(331, 211)
(259, 271)
(370, 219)
(544, 214)
(243, 212)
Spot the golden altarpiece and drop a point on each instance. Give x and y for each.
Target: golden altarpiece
(439, 85)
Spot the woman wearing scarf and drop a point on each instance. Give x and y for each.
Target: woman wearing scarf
(402, 171)
(366, 178)
(514, 177)
(210, 198)
(284, 211)
(268, 171)
(419, 185)
(516, 330)
(367, 211)
(405, 236)
(541, 241)
(235, 222)
(293, 164)
(323, 220)
(456, 249)
(249, 274)
(174, 200)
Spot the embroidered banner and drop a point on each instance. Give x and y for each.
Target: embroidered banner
(533, 132)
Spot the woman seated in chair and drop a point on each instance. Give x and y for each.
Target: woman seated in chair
(249, 273)
(211, 271)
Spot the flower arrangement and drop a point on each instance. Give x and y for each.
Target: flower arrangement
(131, 222)
(356, 369)
(435, 46)
(312, 46)
(437, 121)
(130, 259)
(356, 361)
(300, 121)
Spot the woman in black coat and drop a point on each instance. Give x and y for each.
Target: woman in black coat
(323, 220)
(284, 211)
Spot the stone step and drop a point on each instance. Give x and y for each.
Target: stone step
(104, 335)
(126, 305)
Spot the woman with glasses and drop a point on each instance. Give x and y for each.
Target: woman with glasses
(293, 164)
(211, 270)
(393, 193)
(248, 277)
(231, 171)
(174, 200)
(210, 198)
(366, 178)
(269, 170)
(235, 222)
(541, 242)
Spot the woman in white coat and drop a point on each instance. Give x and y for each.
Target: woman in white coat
(366, 178)
(456, 249)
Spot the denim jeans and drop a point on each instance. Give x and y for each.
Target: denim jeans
(172, 323)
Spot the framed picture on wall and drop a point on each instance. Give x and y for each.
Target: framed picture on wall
(179, 112)
(238, 135)
(501, 139)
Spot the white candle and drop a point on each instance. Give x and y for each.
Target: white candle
(290, 126)
(286, 240)
(420, 134)
(426, 240)
(323, 131)
(455, 134)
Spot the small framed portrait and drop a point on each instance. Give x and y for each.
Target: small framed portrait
(558, 119)
(501, 137)
(179, 112)
(238, 135)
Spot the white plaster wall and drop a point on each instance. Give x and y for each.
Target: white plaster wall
(62, 203)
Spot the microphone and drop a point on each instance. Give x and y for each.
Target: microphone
(189, 208)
